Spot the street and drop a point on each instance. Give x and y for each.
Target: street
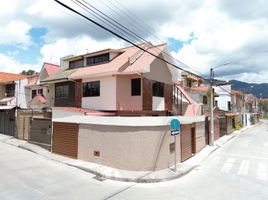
(238, 170)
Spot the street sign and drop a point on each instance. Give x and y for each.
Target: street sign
(175, 132)
(175, 124)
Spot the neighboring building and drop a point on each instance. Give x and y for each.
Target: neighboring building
(223, 100)
(13, 95)
(40, 93)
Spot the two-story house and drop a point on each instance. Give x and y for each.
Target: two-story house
(40, 97)
(13, 95)
(137, 89)
(127, 79)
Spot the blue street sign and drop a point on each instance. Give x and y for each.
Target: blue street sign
(175, 132)
(175, 124)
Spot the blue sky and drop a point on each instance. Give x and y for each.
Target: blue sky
(201, 34)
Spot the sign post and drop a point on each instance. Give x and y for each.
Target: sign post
(175, 130)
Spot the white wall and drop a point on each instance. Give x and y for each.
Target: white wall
(107, 98)
(61, 115)
(158, 103)
(22, 93)
(224, 96)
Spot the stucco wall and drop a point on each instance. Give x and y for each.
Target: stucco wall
(158, 103)
(124, 100)
(22, 93)
(159, 71)
(130, 148)
(107, 98)
(200, 136)
(50, 95)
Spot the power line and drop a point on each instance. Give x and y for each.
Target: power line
(121, 27)
(117, 35)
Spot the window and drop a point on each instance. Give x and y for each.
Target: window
(62, 91)
(76, 64)
(205, 99)
(40, 91)
(229, 106)
(136, 87)
(188, 83)
(91, 89)
(158, 89)
(98, 59)
(10, 90)
(33, 93)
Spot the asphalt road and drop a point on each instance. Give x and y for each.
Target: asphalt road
(238, 170)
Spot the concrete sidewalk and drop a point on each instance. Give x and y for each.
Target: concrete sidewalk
(104, 172)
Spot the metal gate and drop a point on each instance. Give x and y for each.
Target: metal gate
(7, 122)
(223, 126)
(41, 132)
(187, 141)
(65, 139)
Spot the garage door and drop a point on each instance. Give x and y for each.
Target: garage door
(65, 139)
(186, 142)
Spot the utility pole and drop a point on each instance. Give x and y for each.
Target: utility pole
(211, 141)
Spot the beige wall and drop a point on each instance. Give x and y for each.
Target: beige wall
(2, 91)
(200, 136)
(23, 121)
(129, 148)
(124, 100)
(159, 71)
(50, 95)
(107, 98)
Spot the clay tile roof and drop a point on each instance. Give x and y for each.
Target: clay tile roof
(51, 68)
(41, 98)
(9, 77)
(32, 79)
(236, 92)
(200, 88)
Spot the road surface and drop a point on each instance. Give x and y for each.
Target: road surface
(238, 170)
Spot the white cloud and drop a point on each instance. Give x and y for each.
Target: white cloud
(220, 31)
(9, 64)
(15, 33)
(79, 45)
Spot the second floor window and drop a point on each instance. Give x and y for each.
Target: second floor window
(91, 89)
(136, 87)
(158, 89)
(98, 59)
(40, 91)
(76, 64)
(10, 90)
(229, 106)
(62, 91)
(33, 93)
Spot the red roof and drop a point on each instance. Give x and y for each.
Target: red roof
(51, 68)
(9, 77)
(200, 88)
(86, 111)
(41, 98)
(32, 79)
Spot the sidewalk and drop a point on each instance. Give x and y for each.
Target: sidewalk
(104, 172)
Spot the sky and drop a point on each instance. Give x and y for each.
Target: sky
(229, 36)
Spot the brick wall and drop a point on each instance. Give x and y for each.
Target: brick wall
(168, 92)
(147, 103)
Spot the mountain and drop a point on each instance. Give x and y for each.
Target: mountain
(259, 90)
